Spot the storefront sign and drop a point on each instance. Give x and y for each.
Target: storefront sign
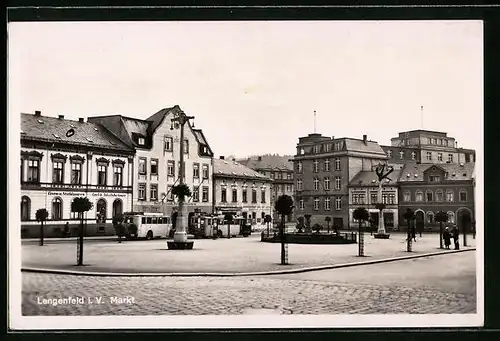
(77, 194)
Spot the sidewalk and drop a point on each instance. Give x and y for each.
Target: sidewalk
(48, 240)
(236, 256)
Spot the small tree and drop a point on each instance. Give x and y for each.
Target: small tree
(267, 220)
(328, 220)
(284, 206)
(441, 217)
(409, 216)
(41, 216)
(308, 223)
(181, 192)
(361, 214)
(300, 224)
(81, 205)
(229, 219)
(317, 228)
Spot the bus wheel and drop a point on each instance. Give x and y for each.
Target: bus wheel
(149, 235)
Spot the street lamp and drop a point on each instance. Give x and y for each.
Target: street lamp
(180, 236)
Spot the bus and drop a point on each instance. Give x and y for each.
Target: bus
(149, 225)
(238, 226)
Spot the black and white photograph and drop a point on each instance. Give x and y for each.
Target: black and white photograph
(245, 174)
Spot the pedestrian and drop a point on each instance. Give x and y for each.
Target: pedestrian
(413, 232)
(66, 230)
(455, 238)
(447, 238)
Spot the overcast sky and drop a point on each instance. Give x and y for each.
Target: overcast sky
(253, 86)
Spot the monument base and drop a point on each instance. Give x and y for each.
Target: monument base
(173, 245)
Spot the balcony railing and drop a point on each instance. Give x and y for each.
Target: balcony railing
(65, 186)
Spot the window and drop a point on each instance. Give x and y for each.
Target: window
(271, 174)
(337, 164)
(315, 166)
(429, 156)
(430, 218)
(288, 188)
(338, 145)
(101, 211)
(462, 196)
(102, 171)
(117, 175)
(328, 147)
(57, 172)
(299, 185)
(389, 153)
(337, 182)
(254, 196)
(327, 184)
(450, 157)
(451, 217)
(389, 198)
(317, 148)
(338, 203)
(279, 176)
(263, 196)
(205, 193)
(76, 173)
(429, 196)
(316, 184)
(301, 151)
(170, 195)
(439, 195)
(234, 195)
(153, 192)
(401, 155)
(449, 196)
(168, 144)
(407, 196)
(316, 204)
(358, 198)
(154, 166)
(141, 195)
(373, 198)
(299, 166)
(25, 208)
(289, 176)
(413, 154)
(171, 168)
(57, 209)
(419, 196)
(327, 204)
(186, 146)
(196, 170)
(223, 195)
(301, 204)
(434, 178)
(196, 194)
(440, 157)
(327, 165)
(244, 195)
(205, 171)
(142, 165)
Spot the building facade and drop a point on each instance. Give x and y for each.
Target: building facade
(425, 146)
(323, 169)
(157, 161)
(363, 192)
(241, 191)
(280, 170)
(430, 188)
(63, 159)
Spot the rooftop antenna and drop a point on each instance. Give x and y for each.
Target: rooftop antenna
(315, 121)
(422, 116)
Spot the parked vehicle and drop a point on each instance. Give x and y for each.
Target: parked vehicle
(147, 225)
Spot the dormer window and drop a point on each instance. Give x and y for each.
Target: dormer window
(56, 136)
(141, 141)
(40, 121)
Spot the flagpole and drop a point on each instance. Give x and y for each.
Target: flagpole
(422, 116)
(314, 121)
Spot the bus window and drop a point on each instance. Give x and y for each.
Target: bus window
(167, 220)
(154, 220)
(144, 220)
(148, 220)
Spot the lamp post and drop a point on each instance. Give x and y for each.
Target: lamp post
(180, 235)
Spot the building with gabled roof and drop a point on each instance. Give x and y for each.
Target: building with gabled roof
(156, 140)
(63, 159)
(241, 190)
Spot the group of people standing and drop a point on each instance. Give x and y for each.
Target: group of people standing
(448, 235)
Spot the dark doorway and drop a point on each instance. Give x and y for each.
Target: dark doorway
(464, 221)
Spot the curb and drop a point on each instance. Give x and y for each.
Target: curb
(236, 274)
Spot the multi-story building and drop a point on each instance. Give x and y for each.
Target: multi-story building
(430, 188)
(156, 163)
(280, 170)
(63, 159)
(323, 169)
(425, 146)
(363, 192)
(240, 190)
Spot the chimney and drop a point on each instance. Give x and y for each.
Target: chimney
(364, 139)
(221, 157)
(80, 120)
(38, 113)
(260, 158)
(61, 117)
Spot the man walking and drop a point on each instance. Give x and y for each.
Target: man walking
(455, 238)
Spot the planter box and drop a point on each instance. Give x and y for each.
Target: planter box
(314, 238)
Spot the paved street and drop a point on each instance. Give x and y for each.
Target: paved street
(234, 255)
(440, 284)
